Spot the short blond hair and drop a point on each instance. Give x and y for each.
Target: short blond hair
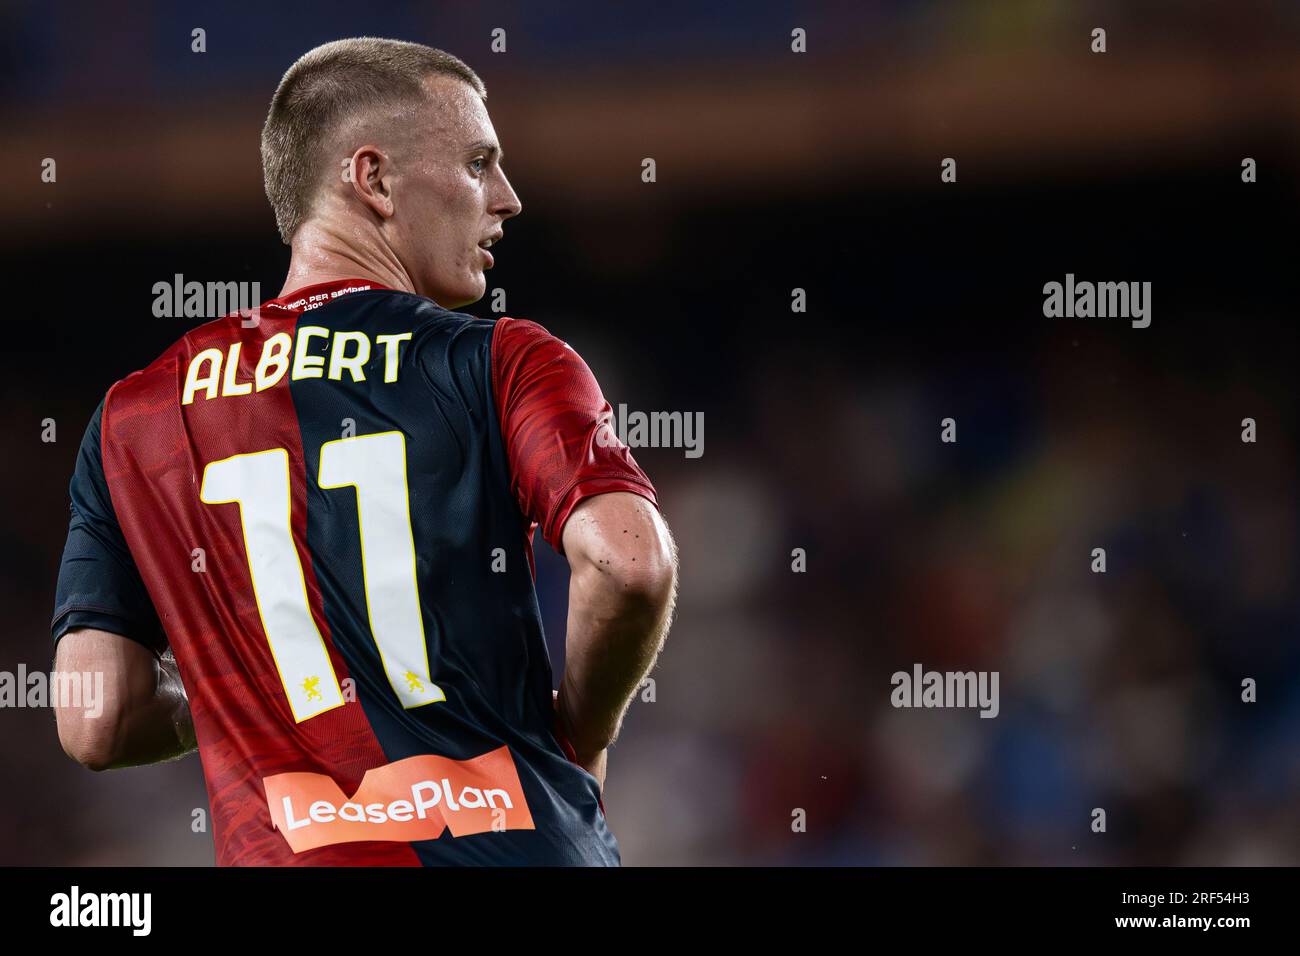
(327, 85)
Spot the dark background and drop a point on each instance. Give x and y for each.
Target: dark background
(775, 171)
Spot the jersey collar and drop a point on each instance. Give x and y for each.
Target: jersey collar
(322, 293)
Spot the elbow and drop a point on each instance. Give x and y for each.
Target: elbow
(647, 578)
(622, 556)
(96, 761)
(88, 741)
(93, 758)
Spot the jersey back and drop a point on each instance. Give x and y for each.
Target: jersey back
(318, 501)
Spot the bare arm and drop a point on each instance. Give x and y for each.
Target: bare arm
(144, 715)
(621, 597)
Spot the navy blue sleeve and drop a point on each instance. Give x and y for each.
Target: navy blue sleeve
(99, 584)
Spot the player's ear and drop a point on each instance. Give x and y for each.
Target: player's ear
(368, 171)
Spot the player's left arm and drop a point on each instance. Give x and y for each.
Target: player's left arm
(139, 715)
(574, 477)
(129, 707)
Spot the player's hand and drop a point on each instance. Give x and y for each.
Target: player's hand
(595, 765)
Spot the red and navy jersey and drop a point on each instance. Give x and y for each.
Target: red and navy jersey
(326, 510)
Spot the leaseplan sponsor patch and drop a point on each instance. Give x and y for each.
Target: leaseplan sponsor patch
(412, 799)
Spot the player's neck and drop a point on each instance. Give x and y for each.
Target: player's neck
(321, 254)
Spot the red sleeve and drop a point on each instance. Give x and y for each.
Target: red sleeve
(551, 411)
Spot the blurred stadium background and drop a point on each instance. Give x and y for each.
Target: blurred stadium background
(776, 171)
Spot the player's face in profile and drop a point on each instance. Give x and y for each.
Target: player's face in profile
(458, 196)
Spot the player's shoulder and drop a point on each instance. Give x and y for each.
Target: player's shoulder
(160, 375)
(519, 345)
(432, 328)
(497, 336)
(516, 337)
(521, 330)
(285, 314)
(430, 318)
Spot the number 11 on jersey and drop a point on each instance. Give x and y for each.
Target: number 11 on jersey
(375, 466)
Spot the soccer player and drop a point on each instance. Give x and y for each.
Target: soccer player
(301, 539)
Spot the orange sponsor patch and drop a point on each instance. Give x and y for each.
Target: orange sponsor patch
(412, 799)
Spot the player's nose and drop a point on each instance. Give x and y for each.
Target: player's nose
(506, 202)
